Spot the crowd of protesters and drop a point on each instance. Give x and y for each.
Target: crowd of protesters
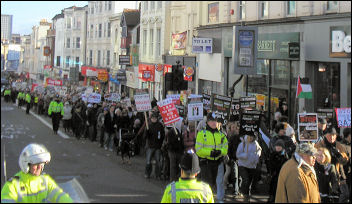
(296, 171)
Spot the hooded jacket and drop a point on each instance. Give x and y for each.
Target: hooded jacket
(248, 153)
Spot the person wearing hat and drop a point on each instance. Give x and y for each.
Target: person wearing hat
(56, 109)
(322, 124)
(297, 181)
(276, 161)
(28, 102)
(31, 185)
(67, 116)
(155, 135)
(280, 133)
(187, 189)
(338, 159)
(347, 167)
(211, 146)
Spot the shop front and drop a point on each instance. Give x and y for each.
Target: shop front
(95, 77)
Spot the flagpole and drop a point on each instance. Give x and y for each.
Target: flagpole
(295, 107)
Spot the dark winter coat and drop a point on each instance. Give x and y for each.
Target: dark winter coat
(234, 141)
(155, 135)
(327, 179)
(174, 142)
(109, 123)
(290, 147)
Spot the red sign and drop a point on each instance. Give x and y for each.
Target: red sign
(159, 67)
(146, 72)
(168, 111)
(53, 82)
(33, 86)
(167, 68)
(188, 73)
(47, 67)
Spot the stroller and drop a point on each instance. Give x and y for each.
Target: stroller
(126, 144)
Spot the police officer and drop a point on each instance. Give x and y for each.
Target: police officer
(20, 97)
(187, 189)
(57, 109)
(211, 146)
(7, 94)
(28, 102)
(31, 186)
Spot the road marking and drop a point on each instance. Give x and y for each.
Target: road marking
(63, 135)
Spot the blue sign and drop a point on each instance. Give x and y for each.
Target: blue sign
(245, 38)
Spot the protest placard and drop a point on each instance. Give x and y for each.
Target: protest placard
(221, 106)
(195, 111)
(94, 98)
(248, 102)
(206, 102)
(142, 100)
(235, 109)
(168, 111)
(175, 98)
(343, 117)
(307, 127)
(249, 122)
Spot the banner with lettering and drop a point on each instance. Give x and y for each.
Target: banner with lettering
(307, 127)
(249, 123)
(221, 106)
(343, 117)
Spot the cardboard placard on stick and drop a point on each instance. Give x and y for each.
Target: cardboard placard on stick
(307, 126)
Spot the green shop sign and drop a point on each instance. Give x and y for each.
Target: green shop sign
(276, 45)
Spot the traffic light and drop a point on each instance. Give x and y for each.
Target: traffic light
(178, 83)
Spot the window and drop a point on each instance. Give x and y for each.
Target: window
(332, 5)
(108, 57)
(213, 12)
(158, 48)
(77, 62)
(78, 23)
(151, 42)
(100, 6)
(98, 58)
(160, 3)
(90, 57)
(242, 10)
(68, 43)
(67, 61)
(96, 31)
(106, 6)
(291, 7)
(58, 61)
(146, 6)
(78, 42)
(109, 30)
(152, 5)
(104, 30)
(68, 23)
(91, 30)
(144, 42)
(264, 9)
(100, 29)
(109, 5)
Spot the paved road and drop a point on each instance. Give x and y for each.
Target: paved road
(101, 173)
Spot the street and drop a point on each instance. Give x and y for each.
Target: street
(101, 173)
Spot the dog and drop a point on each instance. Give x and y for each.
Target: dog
(127, 147)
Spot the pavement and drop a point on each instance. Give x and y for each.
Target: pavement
(138, 164)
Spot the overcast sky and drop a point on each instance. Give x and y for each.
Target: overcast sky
(26, 14)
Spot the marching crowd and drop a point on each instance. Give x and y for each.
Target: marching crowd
(297, 171)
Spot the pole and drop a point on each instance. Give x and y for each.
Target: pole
(146, 120)
(173, 124)
(5, 165)
(246, 85)
(269, 95)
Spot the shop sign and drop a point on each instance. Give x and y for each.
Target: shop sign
(121, 75)
(167, 68)
(250, 122)
(103, 75)
(245, 54)
(343, 117)
(124, 60)
(91, 73)
(168, 111)
(340, 41)
(146, 72)
(159, 67)
(188, 73)
(221, 106)
(46, 51)
(277, 45)
(202, 45)
(307, 127)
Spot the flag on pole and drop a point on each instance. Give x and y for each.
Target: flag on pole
(303, 90)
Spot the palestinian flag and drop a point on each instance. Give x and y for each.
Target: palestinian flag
(303, 90)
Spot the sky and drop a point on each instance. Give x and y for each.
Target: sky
(26, 14)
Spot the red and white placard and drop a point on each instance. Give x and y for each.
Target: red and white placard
(168, 111)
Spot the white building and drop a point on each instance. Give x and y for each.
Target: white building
(6, 27)
(70, 40)
(155, 41)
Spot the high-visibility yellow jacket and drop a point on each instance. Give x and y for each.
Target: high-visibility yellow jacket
(36, 99)
(27, 188)
(56, 108)
(7, 92)
(188, 191)
(28, 98)
(207, 141)
(20, 95)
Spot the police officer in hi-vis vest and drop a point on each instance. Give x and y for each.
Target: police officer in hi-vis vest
(187, 189)
(56, 108)
(211, 146)
(30, 185)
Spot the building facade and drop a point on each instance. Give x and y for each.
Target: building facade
(6, 27)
